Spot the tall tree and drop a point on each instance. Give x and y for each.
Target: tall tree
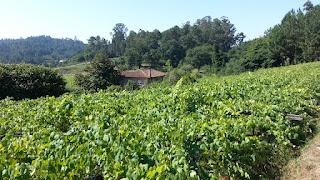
(201, 55)
(286, 37)
(100, 74)
(173, 51)
(119, 35)
(311, 43)
(143, 47)
(133, 58)
(220, 33)
(308, 6)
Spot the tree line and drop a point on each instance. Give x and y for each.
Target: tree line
(213, 44)
(295, 40)
(168, 48)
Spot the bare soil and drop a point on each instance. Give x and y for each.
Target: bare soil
(307, 166)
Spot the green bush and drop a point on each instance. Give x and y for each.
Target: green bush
(131, 86)
(100, 74)
(115, 88)
(234, 66)
(187, 72)
(29, 81)
(176, 74)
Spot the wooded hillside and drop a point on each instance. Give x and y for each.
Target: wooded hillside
(38, 50)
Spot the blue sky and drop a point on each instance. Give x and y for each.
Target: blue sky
(85, 18)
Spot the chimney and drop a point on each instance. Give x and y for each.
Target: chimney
(150, 72)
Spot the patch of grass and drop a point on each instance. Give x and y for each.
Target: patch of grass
(70, 80)
(69, 73)
(72, 69)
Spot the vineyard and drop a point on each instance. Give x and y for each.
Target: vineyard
(234, 126)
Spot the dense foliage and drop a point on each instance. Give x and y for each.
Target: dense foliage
(29, 81)
(234, 126)
(169, 47)
(38, 50)
(172, 45)
(99, 74)
(295, 40)
(201, 55)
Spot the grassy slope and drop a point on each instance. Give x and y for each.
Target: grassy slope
(72, 69)
(69, 72)
(76, 68)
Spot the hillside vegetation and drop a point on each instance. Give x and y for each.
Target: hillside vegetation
(232, 126)
(38, 50)
(213, 45)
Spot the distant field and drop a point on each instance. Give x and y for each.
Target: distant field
(234, 126)
(70, 80)
(72, 69)
(69, 72)
(76, 68)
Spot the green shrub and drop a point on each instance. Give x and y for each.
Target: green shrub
(115, 88)
(185, 72)
(29, 81)
(131, 86)
(235, 66)
(176, 74)
(100, 74)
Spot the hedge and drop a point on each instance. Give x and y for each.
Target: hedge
(21, 81)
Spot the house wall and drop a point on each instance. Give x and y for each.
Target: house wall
(140, 81)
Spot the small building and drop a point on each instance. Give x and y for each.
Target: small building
(141, 76)
(62, 60)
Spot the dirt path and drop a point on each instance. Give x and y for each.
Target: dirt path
(307, 166)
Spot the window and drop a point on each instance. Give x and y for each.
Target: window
(140, 82)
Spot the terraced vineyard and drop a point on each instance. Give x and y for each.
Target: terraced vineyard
(232, 126)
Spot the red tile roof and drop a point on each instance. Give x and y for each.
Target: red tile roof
(142, 73)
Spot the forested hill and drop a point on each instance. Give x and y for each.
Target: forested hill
(38, 50)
